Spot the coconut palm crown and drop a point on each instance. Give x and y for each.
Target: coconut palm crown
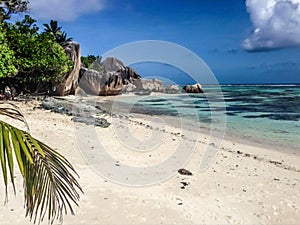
(56, 31)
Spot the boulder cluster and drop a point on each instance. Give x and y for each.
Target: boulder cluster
(114, 78)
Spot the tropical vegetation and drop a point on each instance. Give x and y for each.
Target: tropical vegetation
(40, 66)
(34, 61)
(56, 32)
(93, 62)
(7, 66)
(9, 7)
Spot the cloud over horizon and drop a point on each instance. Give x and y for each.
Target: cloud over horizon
(67, 10)
(276, 24)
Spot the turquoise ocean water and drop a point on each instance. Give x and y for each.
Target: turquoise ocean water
(260, 114)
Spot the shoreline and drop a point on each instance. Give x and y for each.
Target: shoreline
(225, 142)
(244, 185)
(105, 103)
(229, 135)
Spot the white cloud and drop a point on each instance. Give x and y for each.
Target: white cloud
(276, 24)
(64, 10)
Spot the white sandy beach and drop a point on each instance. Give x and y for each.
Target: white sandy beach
(244, 185)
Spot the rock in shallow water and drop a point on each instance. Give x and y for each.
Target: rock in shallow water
(195, 88)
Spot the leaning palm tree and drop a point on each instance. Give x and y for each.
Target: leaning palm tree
(49, 183)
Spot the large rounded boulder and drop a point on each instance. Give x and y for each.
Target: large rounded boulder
(112, 64)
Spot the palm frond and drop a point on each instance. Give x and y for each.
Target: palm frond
(50, 186)
(12, 112)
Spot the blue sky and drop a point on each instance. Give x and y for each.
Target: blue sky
(241, 41)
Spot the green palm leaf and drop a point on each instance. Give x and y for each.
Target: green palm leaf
(56, 31)
(50, 186)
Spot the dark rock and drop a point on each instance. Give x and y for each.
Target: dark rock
(50, 105)
(128, 74)
(113, 86)
(185, 172)
(80, 111)
(58, 106)
(100, 122)
(195, 88)
(67, 107)
(184, 183)
(275, 162)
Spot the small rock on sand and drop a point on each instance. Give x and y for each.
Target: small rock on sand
(185, 172)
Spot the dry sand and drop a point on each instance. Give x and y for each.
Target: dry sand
(244, 185)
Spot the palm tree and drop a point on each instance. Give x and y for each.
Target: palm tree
(62, 38)
(52, 28)
(56, 31)
(49, 184)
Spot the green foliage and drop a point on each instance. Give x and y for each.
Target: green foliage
(97, 65)
(34, 61)
(52, 28)
(49, 184)
(7, 66)
(88, 60)
(8, 7)
(62, 38)
(92, 62)
(56, 32)
(40, 60)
